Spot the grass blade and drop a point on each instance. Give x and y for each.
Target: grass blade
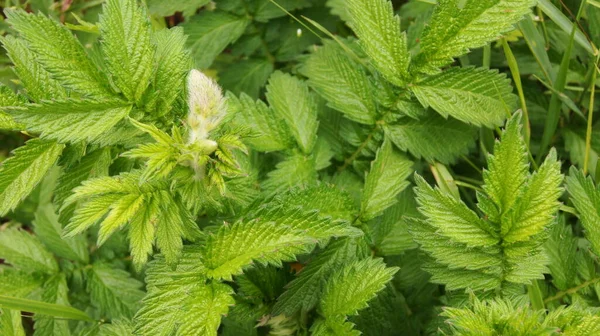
(43, 308)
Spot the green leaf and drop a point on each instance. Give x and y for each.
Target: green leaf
(538, 203)
(304, 291)
(36, 80)
(126, 46)
(25, 252)
(473, 95)
(43, 308)
(351, 288)
(202, 315)
(168, 8)
(237, 246)
(59, 53)
(24, 170)
(11, 323)
(92, 165)
(71, 120)
(246, 76)
(386, 179)
(296, 170)
(432, 137)
(49, 230)
(269, 133)
(378, 29)
(292, 101)
(342, 82)
(508, 167)
(9, 98)
(451, 217)
(168, 291)
(561, 249)
(586, 198)
(173, 63)
(18, 283)
(459, 25)
(113, 291)
(116, 328)
(210, 32)
(55, 291)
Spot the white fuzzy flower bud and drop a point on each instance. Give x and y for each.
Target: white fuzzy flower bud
(206, 103)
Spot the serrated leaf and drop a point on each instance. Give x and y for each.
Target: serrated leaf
(203, 314)
(237, 246)
(473, 95)
(173, 64)
(432, 137)
(561, 249)
(116, 328)
(386, 179)
(126, 46)
(507, 167)
(9, 98)
(24, 170)
(168, 291)
(292, 101)
(11, 323)
(270, 134)
(59, 52)
(451, 217)
(378, 29)
(70, 120)
(210, 32)
(351, 288)
(265, 10)
(49, 230)
(168, 8)
(459, 25)
(304, 291)
(36, 80)
(296, 170)
(113, 291)
(55, 291)
(586, 198)
(18, 283)
(538, 203)
(342, 82)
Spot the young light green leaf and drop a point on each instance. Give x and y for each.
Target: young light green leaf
(9, 98)
(59, 53)
(126, 46)
(351, 288)
(70, 120)
(378, 29)
(24, 170)
(173, 64)
(432, 137)
(342, 82)
(292, 101)
(459, 25)
(386, 179)
(113, 291)
(210, 32)
(473, 95)
(508, 167)
(270, 134)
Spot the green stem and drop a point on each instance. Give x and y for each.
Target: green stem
(588, 134)
(468, 185)
(573, 290)
(356, 153)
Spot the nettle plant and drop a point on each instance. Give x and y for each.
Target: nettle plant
(147, 201)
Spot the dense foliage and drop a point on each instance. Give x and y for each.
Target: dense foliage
(299, 167)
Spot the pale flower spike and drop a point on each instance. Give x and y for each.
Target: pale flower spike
(206, 103)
